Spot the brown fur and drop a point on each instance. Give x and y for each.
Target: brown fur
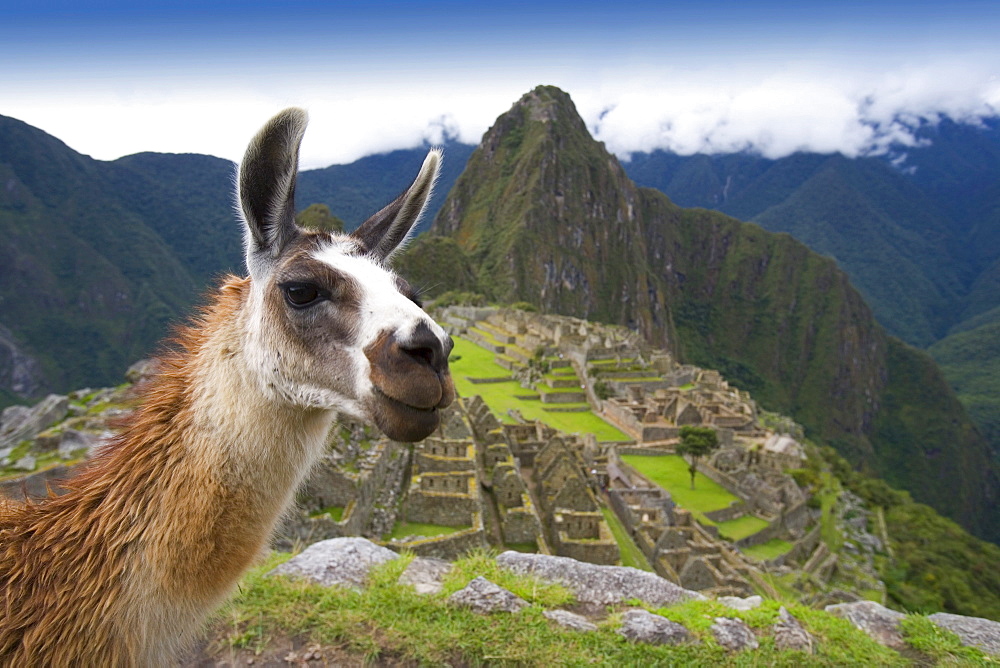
(123, 568)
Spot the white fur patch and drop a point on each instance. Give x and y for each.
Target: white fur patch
(383, 306)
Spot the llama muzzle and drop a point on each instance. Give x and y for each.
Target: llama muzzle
(411, 382)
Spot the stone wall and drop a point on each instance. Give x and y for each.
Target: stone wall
(450, 546)
(369, 497)
(594, 552)
(731, 512)
(802, 549)
(447, 508)
(520, 525)
(442, 455)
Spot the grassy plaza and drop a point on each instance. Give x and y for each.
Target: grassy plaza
(470, 361)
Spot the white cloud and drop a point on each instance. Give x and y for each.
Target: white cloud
(776, 109)
(854, 112)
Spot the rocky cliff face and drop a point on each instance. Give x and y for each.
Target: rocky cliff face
(548, 216)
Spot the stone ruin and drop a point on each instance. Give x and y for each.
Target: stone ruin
(354, 490)
(566, 493)
(445, 489)
(677, 547)
(651, 414)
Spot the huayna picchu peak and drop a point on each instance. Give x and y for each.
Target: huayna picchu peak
(547, 216)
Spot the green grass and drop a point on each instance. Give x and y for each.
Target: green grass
(388, 622)
(336, 513)
(940, 644)
(769, 550)
(544, 389)
(631, 555)
(741, 527)
(404, 529)
(470, 360)
(671, 473)
(828, 494)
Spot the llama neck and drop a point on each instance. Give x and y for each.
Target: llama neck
(222, 460)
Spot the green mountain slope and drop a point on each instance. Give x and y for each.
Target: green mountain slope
(187, 200)
(970, 360)
(547, 216)
(86, 287)
(896, 242)
(356, 190)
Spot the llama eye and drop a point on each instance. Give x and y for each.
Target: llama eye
(301, 295)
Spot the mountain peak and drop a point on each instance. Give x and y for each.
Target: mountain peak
(547, 104)
(547, 216)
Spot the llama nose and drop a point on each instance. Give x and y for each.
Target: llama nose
(425, 346)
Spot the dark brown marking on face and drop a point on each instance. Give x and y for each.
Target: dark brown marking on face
(316, 339)
(411, 382)
(334, 315)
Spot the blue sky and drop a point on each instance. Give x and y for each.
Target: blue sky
(113, 78)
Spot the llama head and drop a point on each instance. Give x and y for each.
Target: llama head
(331, 326)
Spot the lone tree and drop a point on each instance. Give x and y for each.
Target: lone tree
(696, 442)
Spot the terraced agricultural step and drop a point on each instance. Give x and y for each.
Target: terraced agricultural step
(615, 375)
(484, 340)
(508, 362)
(495, 379)
(519, 354)
(499, 333)
(562, 397)
(568, 381)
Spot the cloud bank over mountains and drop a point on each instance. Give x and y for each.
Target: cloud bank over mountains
(803, 108)
(823, 111)
(689, 77)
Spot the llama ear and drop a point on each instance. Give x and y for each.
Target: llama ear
(382, 234)
(266, 184)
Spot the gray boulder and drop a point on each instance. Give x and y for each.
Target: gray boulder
(484, 597)
(18, 423)
(644, 626)
(976, 632)
(878, 621)
(570, 620)
(337, 561)
(142, 370)
(600, 585)
(737, 603)
(74, 442)
(26, 463)
(789, 633)
(733, 634)
(425, 574)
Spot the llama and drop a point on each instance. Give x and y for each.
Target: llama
(152, 536)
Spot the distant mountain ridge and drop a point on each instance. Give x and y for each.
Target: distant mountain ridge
(99, 258)
(545, 215)
(920, 241)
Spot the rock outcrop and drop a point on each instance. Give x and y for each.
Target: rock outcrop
(337, 561)
(600, 585)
